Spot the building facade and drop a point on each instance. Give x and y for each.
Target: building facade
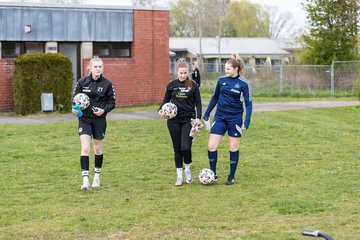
(216, 51)
(133, 43)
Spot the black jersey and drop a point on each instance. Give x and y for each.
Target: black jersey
(101, 93)
(185, 99)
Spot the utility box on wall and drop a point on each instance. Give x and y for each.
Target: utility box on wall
(47, 102)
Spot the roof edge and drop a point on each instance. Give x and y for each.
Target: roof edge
(83, 6)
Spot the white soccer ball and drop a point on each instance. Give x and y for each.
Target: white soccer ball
(170, 110)
(82, 100)
(206, 176)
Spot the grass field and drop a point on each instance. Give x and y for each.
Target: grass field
(298, 169)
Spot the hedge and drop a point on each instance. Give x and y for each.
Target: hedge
(37, 73)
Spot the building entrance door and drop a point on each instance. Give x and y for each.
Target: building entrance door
(72, 51)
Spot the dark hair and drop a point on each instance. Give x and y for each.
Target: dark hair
(236, 62)
(182, 64)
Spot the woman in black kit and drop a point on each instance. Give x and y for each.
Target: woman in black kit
(196, 73)
(185, 94)
(92, 124)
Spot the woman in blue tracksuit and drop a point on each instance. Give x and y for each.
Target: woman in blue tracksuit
(230, 92)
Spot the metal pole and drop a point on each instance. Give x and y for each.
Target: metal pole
(332, 81)
(281, 79)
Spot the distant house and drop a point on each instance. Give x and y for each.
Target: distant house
(254, 51)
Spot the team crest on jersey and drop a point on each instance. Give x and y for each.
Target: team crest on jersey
(80, 130)
(237, 85)
(100, 89)
(224, 83)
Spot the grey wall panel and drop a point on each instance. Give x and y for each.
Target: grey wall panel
(44, 21)
(29, 18)
(116, 26)
(102, 26)
(73, 25)
(87, 26)
(66, 24)
(128, 24)
(14, 28)
(2, 24)
(58, 25)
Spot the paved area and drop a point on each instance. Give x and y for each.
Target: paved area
(257, 107)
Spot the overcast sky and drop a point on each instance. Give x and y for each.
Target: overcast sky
(292, 6)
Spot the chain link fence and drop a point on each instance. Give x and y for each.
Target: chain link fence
(336, 80)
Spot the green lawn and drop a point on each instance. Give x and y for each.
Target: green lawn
(298, 169)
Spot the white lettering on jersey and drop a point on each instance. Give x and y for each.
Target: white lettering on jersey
(86, 89)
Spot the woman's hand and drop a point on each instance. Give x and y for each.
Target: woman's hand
(207, 123)
(98, 111)
(75, 112)
(162, 113)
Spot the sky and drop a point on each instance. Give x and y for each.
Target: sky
(292, 6)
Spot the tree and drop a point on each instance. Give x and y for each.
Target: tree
(210, 16)
(245, 19)
(333, 31)
(182, 18)
(238, 18)
(282, 24)
(212, 13)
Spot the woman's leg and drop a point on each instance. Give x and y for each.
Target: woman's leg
(99, 157)
(186, 144)
(213, 144)
(175, 133)
(84, 160)
(234, 144)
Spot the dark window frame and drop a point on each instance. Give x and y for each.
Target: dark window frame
(111, 48)
(26, 48)
(22, 47)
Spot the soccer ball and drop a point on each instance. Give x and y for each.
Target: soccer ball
(82, 100)
(170, 110)
(206, 176)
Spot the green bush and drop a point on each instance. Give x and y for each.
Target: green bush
(37, 73)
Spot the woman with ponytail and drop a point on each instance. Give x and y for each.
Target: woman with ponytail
(231, 91)
(185, 94)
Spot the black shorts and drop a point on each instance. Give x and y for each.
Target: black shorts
(94, 127)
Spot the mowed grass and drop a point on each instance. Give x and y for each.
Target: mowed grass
(298, 169)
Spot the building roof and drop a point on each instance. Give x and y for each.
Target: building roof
(243, 46)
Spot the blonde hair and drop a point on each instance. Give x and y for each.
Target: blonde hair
(195, 64)
(236, 62)
(92, 60)
(181, 63)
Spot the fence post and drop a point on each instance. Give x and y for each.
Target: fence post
(332, 81)
(281, 79)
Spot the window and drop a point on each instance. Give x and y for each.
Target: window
(34, 47)
(114, 49)
(14, 49)
(11, 49)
